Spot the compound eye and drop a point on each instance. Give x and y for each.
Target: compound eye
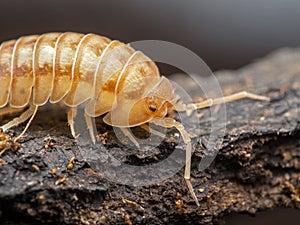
(152, 108)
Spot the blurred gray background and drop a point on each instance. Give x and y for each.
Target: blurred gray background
(225, 33)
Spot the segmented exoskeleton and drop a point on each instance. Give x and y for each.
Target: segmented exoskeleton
(109, 76)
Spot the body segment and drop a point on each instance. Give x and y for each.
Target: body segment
(6, 51)
(22, 71)
(65, 50)
(44, 53)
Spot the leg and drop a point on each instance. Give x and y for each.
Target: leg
(21, 119)
(229, 98)
(168, 123)
(8, 110)
(150, 130)
(89, 124)
(33, 112)
(128, 134)
(71, 115)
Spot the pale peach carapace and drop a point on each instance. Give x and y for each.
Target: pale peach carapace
(76, 68)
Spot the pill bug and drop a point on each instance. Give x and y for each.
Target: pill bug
(109, 76)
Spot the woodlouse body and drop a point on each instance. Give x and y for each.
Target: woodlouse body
(72, 67)
(109, 76)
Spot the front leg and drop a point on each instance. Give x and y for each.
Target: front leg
(29, 113)
(169, 123)
(71, 115)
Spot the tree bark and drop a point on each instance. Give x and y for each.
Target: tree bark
(257, 166)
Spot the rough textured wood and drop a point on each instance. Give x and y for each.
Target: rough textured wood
(257, 167)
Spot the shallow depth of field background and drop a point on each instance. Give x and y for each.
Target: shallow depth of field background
(226, 34)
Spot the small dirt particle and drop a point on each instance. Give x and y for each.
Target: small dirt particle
(61, 179)
(127, 219)
(36, 168)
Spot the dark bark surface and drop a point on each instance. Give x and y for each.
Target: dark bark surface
(257, 166)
